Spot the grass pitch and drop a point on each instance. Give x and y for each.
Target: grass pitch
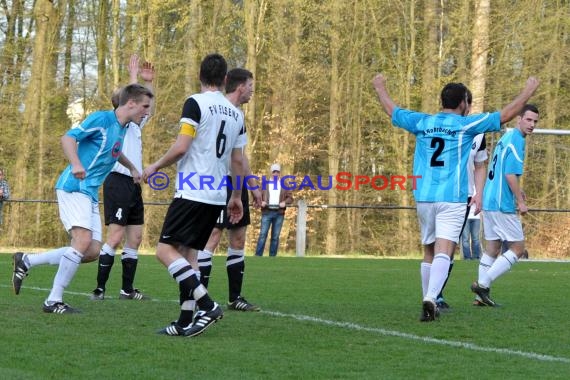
(321, 318)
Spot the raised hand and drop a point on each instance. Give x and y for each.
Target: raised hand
(379, 81)
(147, 72)
(532, 84)
(133, 69)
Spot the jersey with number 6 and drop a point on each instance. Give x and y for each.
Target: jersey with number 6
(443, 145)
(217, 127)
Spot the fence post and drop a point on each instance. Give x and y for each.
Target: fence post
(301, 234)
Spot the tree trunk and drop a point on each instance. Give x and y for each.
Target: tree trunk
(33, 125)
(334, 124)
(102, 35)
(254, 17)
(68, 46)
(404, 165)
(430, 65)
(151, 43)
(480, 49)
(354, 119)
(115, 44)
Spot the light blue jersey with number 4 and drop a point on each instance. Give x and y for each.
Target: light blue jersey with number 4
(443, 144)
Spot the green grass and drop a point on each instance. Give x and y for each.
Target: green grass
(322, 319)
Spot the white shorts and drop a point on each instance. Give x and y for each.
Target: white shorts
(500, 226)
(78, 210)
(443, 220)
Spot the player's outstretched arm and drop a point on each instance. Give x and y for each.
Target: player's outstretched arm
(175, 153)
(379, 83)
(512, 109)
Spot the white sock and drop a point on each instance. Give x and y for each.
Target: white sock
(424, 273)
(188, 305)
(68, 265)
(501, 266)
(485, 264)
(50, 257)
(176, 266)
(106, 249)
(205, 255)
(239, 256)
(130, 253)
(438, 275)
(204, 261)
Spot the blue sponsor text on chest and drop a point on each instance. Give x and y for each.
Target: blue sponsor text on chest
(447, 131)
(219, 109)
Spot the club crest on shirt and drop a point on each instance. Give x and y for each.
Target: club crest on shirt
(116, 151)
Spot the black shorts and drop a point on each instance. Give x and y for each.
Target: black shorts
(122, 200)
(223, 219)
(189, 223)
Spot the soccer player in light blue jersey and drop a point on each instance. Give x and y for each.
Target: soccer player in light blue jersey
(443, 143)
(123, 204)
(92, 148)
(476, 181)
(501, 197)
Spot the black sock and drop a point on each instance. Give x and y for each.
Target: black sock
(205, 271)
(187, 287)
(104, 269)
(235, 276)
(129, 270)
(185, 317)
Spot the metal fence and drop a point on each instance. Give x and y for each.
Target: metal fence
(377, 230)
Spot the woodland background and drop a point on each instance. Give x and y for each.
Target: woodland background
(314, 109)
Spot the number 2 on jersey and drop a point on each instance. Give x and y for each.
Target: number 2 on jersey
(438, 143)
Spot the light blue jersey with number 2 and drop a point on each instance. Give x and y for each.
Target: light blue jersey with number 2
(443, 144)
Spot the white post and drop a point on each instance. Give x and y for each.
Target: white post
(301, 235)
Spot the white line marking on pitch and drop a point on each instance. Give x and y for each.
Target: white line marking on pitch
(398, 334)
(443, 342)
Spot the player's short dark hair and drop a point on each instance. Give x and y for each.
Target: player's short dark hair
(453, 94)
(134, 92)
(469, 97)
(528, 107)
(235, 77)
(213, 70)
(115, 97)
